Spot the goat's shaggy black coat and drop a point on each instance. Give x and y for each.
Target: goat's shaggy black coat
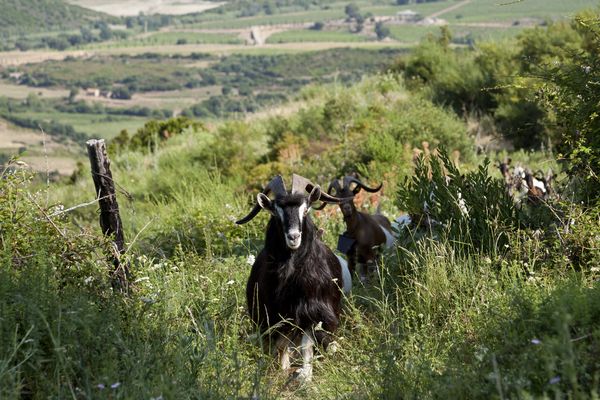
(301, 286)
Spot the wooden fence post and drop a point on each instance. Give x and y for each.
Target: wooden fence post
(110, 220)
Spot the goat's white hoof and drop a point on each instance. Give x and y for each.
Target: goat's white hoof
(332, 348)
(302, 375)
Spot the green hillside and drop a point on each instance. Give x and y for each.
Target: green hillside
(28, 16)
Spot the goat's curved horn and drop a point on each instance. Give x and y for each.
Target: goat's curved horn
(320, 206)
(302, 185)
(349, 179)
(335, 184)
(276, 186)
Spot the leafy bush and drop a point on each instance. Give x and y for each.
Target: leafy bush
(474, 210)
(498, 79)
(571, 91)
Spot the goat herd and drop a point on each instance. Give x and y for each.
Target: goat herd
(294, 291)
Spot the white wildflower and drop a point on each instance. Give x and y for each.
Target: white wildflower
(251, 259)
(231, 282)
(115, 385)
(554, 380)
(101, 386)
(536, 341)
(462, 205)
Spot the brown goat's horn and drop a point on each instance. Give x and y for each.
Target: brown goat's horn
(349, 179)
(335, 184)
(276, 186)
(301, 185)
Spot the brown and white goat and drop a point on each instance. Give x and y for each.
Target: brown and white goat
(365, 233)
(293, 291)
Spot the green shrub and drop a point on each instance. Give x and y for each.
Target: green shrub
(571, 91)
(474, 210)
(497, 79)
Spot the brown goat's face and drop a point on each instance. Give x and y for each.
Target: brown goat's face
(347, 206)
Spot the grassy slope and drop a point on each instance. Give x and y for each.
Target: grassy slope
(436, 323)
(27, 16)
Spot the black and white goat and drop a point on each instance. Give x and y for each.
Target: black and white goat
(293, 292)
(522, 183)
(365, 233)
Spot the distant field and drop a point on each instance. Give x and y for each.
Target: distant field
(135, 7)
(485, 33)
(503, 11)
(333, 11)
(296, 17)
(29, 144)
(414, 33)
(93, 125)
(422, 8)
(169, 99)
(15, 91)
(308, 35)
(20, 58)
(172, 38)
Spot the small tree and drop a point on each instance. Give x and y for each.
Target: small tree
(317, 26)
(352, 11)
(381, 30)
(73, 94)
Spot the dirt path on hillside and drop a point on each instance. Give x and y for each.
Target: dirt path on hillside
(448, 9)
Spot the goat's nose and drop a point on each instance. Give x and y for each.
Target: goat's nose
(293, 235)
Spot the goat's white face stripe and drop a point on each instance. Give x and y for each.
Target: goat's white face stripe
(296, 229)
(301, 212)
(279, 212)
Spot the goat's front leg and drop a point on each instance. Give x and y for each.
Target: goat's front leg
(307, 350)
(285, 352)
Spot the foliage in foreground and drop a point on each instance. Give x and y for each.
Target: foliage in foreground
(436, 322)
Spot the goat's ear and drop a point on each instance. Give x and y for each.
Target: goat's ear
(315, 194)
(265, 203)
